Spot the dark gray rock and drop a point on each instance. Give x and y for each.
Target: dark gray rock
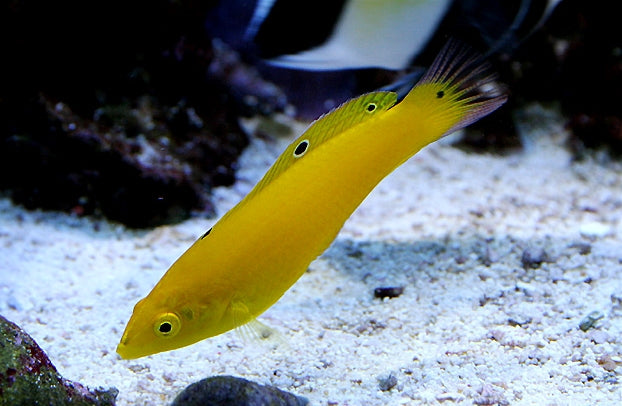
(234, 391)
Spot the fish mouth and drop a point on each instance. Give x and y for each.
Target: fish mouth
(126, 352)
(123, 351)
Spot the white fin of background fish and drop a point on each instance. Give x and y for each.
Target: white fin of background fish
(551, 4)
(369, 33)
(262, 9)
(548, 9)
(519, 19)
(376, 33)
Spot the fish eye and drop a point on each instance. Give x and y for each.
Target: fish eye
(301, 148)
(167, 325)
(371, 107)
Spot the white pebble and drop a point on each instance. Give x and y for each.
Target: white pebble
(594, 229)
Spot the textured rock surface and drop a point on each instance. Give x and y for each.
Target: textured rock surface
(233, 391)
(27, 376)
(136, 124)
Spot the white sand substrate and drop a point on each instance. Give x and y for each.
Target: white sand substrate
(475, 324)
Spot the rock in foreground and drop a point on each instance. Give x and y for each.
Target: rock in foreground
(233, 391)
(27, 376)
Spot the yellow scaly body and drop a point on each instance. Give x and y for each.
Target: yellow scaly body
(263, 245)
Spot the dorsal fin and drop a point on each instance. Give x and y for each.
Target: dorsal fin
(327, 126)
(348, 115)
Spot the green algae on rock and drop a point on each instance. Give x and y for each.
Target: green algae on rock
(28, 377)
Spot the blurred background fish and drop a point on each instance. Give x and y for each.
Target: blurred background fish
(366, 33)
(354, 34)
(353, 46)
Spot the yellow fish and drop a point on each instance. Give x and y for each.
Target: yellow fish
(255, 252)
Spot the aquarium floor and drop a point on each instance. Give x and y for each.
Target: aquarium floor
(501, 260)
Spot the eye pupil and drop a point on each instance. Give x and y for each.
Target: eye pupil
(371, 107)
(167, 325)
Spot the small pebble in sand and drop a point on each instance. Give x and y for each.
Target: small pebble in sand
(533, 257)
(590, 320)
(583, 248)
(594, 229)
(387, 382)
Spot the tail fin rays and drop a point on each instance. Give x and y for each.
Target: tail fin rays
(466, 75)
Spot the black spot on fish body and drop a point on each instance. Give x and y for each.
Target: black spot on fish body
(371, 107)
(187, 313)
(206, 234)
(440, 94)
(301, 148)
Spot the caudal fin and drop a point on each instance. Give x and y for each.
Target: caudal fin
(458, 88)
